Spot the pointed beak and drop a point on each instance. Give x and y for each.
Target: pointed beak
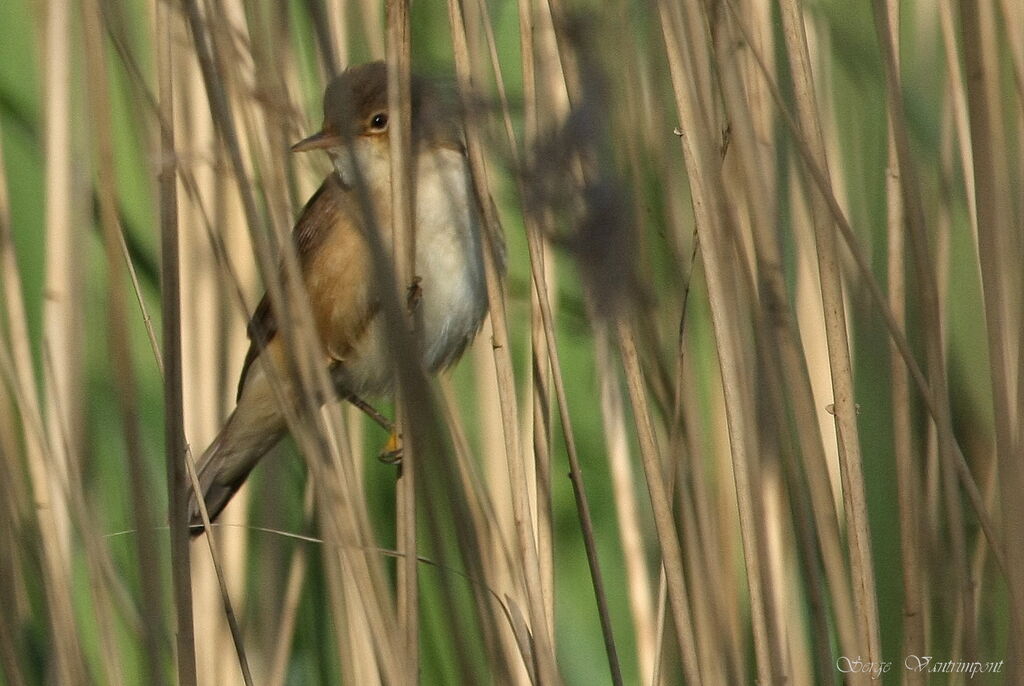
(318, 141)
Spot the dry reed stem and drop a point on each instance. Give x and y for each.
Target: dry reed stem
(664, 522)
(547, 362)
(958, 109)
(62, 320)
(114, 29)
(704, 513)
(944, 436)
(1012, 22)
(544, 656)
(61, 312)
(539, 425)
(102, 584)
(174, 434)
(638, 107)
(288, 615)
(62, 348)
(919, 242)
(900, 341)
(716, 621)
(495, 558)
(879, 301)
(232, 620)
(398, 50)
(495, 562)
(704, 175)
(498, 558)
(716, 612)
(339, 490)
(12, 647)
(998, 256)
(245, 54)
(575, 472)
(908, 485)
(958, 93)
(66, 650)
(205, 329)
(767, 437)
(338, 42)
(153, 625)
(205, 61)
(540, 381)
(626, 507)
(147, 555)
(781, 326)
(840, 363)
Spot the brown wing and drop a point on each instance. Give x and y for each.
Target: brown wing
(315, 222)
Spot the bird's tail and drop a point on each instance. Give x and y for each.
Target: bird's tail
(253, 428)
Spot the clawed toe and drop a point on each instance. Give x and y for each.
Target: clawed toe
(391, 453)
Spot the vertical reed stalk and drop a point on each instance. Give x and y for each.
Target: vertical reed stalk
(919, 241)
(404, 256)
(68, 660)
(703, 175)
(526, 543)
(998, 256)
(153, 626)
(840, 363)
(63, 274)
(170, 291)
(795, 376)
(908, 483)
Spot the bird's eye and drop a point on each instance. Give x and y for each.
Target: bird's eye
(379, 122)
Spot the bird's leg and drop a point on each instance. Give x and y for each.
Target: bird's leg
(391, 453)
(370, 411)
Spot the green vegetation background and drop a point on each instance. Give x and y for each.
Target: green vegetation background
(857, 92)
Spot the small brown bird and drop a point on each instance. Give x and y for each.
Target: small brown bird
(337, 267)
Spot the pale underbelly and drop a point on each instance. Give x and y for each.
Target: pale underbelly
(453, 294)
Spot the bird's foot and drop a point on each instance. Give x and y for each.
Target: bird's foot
(391, 453)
